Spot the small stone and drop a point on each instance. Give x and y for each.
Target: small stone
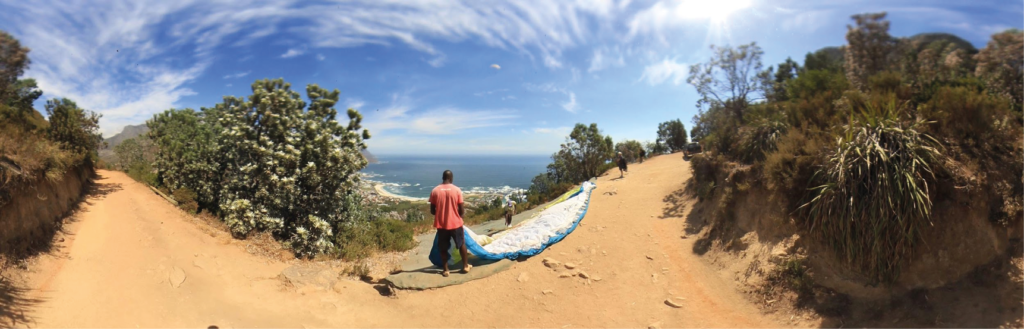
(596, 278)
(674, 302)
(61, 239)
(654, 277)
(547, 292)
(583, 275)
(656, 325)
(684, 237)
(570, 266)
(523, 277)
(176, 277)
(565, 274)
(551, 263)
(604, 252)
(649, 257)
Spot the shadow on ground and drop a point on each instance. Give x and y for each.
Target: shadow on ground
(14, 305)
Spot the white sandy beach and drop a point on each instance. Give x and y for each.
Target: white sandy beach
(379, 188)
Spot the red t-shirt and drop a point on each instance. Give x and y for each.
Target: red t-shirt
(446, 199)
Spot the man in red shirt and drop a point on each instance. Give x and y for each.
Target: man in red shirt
(446, 206)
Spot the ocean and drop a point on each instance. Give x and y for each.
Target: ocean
(415, 176)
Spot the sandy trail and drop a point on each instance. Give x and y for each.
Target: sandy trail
(121, 266)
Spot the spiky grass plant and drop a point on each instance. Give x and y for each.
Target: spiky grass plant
(874, 200)
(761, 139)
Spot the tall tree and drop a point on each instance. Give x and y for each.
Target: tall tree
(870, 48)
(1001, 65)
(729, 77)
(13, 62)
(74, 128)
(672, 134)
(582, 154)
(774, 82)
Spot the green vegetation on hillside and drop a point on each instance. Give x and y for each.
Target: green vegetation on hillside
(862, 141)
(32, 148)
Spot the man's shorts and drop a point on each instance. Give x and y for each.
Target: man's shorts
(444, 238)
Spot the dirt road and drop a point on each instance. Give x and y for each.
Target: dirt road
(131, 259)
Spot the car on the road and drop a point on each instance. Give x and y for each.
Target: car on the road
(692, 148)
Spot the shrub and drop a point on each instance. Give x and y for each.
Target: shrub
(963, 115)
(186, 200)
(788, 170)
(759, 139)
(874, 196)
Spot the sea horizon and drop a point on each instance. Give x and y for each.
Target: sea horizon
(415, 175)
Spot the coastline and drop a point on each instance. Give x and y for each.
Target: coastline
(379, 188)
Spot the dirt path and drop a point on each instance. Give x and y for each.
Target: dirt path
(131, 259)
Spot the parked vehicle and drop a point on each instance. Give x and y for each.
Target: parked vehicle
(692, 148)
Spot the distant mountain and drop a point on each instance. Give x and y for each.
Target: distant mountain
(369, 156)
(922, 40)
(127, 133)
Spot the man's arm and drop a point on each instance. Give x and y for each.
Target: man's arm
(462, 211)
(433, 209)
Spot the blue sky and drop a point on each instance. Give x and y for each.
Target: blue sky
(441, 77)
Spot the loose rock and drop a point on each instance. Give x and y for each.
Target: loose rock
(565, 274)
(674, 302)
(523, 277)
(176, 277)
(547, 292)
(583, 275)
(551, 263)
(649, 257)
(570, 266)
(656, 325)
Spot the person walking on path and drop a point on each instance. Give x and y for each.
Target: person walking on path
(446, 205)
(510, 210)
(643, 154)
(621, 160)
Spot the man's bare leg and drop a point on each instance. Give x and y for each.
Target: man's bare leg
(444, 260)
(465, 259)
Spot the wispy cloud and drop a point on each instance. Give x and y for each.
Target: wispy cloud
(569, 105)
(496, 66)
(292, 53)
(605, 58)
(320, 57)
(237, 75)
(666, 70)
(400, 116)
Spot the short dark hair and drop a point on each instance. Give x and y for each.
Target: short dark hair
(447, 175)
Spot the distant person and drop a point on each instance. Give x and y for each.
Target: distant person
(510, 210)
(446, 205)
(643, 154)
(621, 160)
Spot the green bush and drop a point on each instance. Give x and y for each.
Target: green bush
(788, 170)
(359, 240)
(874, 197)
(759, 139)
(186, 200)
(970, 117)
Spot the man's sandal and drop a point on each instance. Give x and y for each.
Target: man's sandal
(466, 269)
(444, 274)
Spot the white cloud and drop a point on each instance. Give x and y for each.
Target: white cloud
(496, 66)
(400, 116)
(559, 131)
(666, 70)
(320, 57)
(292, 53)
(571, 105)
(354, 103)
(237, 75)
(603, 59)
(228, 85)
(437, 61)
